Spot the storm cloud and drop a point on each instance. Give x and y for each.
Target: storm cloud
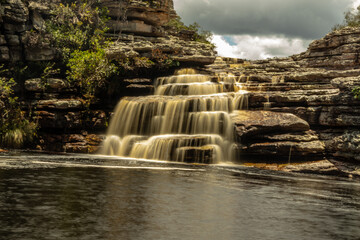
(258, 29)
(306, 19)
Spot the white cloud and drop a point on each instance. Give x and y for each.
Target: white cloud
(223, 48)
(258, 47)
(355, 3)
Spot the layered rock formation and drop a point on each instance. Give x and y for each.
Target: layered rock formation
(315, 86)
(137, 29)
(311, 112)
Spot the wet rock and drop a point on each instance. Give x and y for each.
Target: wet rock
(196, 154)
(323, 167)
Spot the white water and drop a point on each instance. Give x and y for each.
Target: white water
(187, 120)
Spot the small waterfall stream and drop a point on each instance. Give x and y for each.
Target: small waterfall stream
(187, 120)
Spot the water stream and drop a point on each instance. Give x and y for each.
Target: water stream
(187, 120)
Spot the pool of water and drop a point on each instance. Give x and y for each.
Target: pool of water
(96, 197)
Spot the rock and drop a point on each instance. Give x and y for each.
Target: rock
(38, 21)
(196, 154)
(13, 40)
(323, 167)
(2, 40)
(293, 137)
(337, 50)
(250, 123)
(4, 54)
(340, 116)
(15, 11)
(348, 145)
(61, 104)
(285, 149)
(48, 85)
(347, 83)
(40, 54)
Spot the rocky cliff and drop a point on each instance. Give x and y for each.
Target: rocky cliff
(316, 86)
(137, 29)
(299, 108)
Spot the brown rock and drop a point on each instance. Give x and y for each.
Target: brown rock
(261, 122)
(317, 167)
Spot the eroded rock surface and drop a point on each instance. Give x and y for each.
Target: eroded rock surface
(275, 135)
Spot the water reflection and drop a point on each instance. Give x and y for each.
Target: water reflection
(207, 203)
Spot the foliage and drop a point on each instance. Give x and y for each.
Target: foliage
(356, 92)
(15, 129)
(163, 60)
(351, 19)
(131, 64)
(77, 26)
(48, 71)
(78, 32)
(199, 34)
(89, 69)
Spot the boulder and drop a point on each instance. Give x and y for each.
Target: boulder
(251, 123)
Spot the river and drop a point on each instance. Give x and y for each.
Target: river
(97, 197)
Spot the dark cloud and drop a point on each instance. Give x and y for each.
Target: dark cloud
(306, 19)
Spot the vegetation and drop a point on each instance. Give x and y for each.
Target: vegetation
(199, 34)
(351, 19)
(77, 31)
(89, 70)
(356, 92)
(78, 26)
(16, 129)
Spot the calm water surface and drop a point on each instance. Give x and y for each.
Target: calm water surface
(92, 197)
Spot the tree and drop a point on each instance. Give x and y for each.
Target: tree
(351, 19)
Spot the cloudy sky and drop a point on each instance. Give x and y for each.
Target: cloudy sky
(257, 29)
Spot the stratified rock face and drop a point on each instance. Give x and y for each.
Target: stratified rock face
(138, 30)
(275, 135)
(135, 26)
(180, 50)
(337, 50)
(316, 86)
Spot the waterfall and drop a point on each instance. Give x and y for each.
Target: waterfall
(187, 120)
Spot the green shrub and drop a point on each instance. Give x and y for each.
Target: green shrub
(77, 26)
(78, 32)
(15, 128)
(199, 35)
(89, 70)
(356, 92)
(351, 19)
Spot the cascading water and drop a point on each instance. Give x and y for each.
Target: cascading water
(187, 120)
